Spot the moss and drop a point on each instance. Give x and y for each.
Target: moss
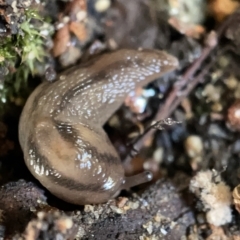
(19, 55)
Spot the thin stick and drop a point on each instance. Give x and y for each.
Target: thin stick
(186, 82)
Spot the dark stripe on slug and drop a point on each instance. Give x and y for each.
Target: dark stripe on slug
(63, 181)
(66, 131)
(71, 184)
(34, 152)
(70, 134)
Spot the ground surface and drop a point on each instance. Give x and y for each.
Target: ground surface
(202, 95)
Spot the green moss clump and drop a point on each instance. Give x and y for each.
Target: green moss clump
(19, 55)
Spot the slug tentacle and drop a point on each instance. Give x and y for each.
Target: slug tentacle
(137, 179)
(60, 130)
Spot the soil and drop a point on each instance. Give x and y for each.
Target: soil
(201, 97)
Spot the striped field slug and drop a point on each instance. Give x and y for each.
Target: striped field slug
(60, 129)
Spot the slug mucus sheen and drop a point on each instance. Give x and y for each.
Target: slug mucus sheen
(60, 129)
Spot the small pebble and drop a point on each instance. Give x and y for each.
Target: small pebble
(212, 93)
(122, 201)
(194, 146)
(217, 107)
(231, 82)
(50, 74)
(158, 155)
(102, 5)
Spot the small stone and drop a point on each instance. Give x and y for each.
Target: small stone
(32, 209)
(80, 233)
(158, 155)
(194, 146)
(14, 6)
(212, 93)
(158, 218)
(149, 227)
(81, 15)
(88, 208)
(231, 82)
(40, 215)
(163, 231)
(122, 201)
(50, 74)
(70, 56)
(65, 20)
(217, 131)
(117, 210)
(126, 208)
(102, 5)
(217, 107)
(133, 205)
(223, 61)
(63, 224)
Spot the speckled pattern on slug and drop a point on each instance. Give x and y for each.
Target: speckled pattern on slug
(61, 134)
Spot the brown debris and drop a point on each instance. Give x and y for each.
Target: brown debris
(187, 81)
(186, 105)
(79, 29)
(160, 211)
(19, 200)
(217, 233)
(75, 9)
(72, 20)
(222, 8)
(61, 41)
(194, 31)
(163, 210)
(121, 202)
(50, 225)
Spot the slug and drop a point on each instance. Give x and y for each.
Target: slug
(60, 129)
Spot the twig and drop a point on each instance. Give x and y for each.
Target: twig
(187, 82)
(186, 79)
(190, 87)
(155, 125)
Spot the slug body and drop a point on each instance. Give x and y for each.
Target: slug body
(60, 130)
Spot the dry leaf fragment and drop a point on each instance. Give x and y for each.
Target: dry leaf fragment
(79, 29)
(220, 9)
(61, 41)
